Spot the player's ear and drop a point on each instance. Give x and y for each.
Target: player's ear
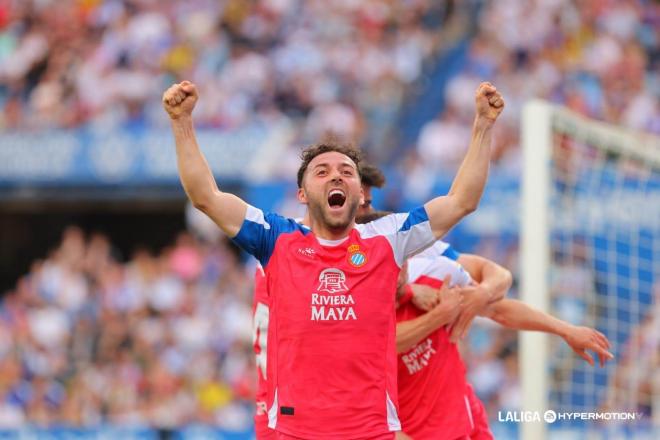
(302, 196)
(361, 195)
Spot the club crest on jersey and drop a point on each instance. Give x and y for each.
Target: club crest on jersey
(356, 257)
(332, 281)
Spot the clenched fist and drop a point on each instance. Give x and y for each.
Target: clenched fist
(179, 100)
(489, 102)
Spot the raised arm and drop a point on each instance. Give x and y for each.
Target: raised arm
(465, 192)
(226, 210)
(517, 315)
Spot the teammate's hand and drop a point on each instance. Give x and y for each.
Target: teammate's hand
(581, 339)
(451, 304)
(425, 297)
(180, 99)
(400, 435)
(489, 102)
(475, 301)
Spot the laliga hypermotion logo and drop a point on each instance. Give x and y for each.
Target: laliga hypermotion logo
(332, 281)
(356, 257)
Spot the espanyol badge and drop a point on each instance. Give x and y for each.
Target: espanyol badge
(356, 257)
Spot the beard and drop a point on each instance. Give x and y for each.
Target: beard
(319, 211)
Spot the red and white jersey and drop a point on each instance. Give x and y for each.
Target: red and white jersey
(479, 417)
(331, 346)
(260, 315)
(433, 399)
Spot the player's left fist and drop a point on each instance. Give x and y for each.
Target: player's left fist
(180, 99)
(489, 102)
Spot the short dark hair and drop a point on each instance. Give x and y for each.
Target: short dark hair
(311, 152)
(371, 175)
(371, 216)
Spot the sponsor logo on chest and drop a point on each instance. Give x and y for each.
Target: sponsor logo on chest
(332, 300)
(419, 356)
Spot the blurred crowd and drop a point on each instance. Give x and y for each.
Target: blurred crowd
(600, 58)
(343, 67)
(325, 66)
(160, 340)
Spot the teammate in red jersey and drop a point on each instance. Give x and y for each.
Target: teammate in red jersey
(435, 399)
(331, 362)
(436, 402)
(260, 316)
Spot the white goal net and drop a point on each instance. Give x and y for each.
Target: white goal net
(590, 255)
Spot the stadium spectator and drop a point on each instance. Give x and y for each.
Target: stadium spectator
(326, 66)
(597, 57)
(86, 339)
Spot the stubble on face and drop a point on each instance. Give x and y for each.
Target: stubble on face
(332, 210)
(317, 204)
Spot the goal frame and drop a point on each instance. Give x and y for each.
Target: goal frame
(540, 119)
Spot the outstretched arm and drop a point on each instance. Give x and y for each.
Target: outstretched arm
(493, 283)
(226, 210)
(493, 278)
(465, 192)
(519, 316)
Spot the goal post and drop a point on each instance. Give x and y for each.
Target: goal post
(536, 136)
(589, 254)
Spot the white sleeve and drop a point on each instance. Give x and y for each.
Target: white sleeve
(408, 233)
(438, 268)
(436, 250)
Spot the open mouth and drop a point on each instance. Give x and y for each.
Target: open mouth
(336, 198)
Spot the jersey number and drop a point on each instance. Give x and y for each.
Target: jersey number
(260, 336)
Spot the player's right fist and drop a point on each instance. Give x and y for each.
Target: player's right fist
(179, 100)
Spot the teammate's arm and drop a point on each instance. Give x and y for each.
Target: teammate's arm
(226, 210)
(495, 279)
(517, 315)
(467, 188)
(409, 333)
(493, 283)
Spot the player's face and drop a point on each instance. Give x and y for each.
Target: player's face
(331, 190)
(366, 207)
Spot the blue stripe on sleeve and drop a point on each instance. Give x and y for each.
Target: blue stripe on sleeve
(258, 236)
(451, 253)
(415, 217)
